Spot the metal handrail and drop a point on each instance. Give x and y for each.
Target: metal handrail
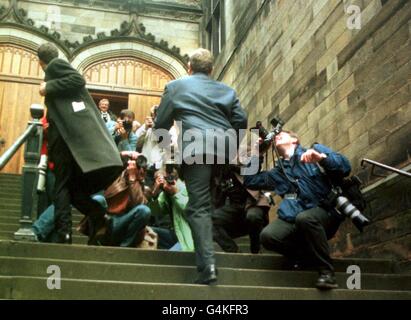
(6, 156)
(33, 136)
(383, 166)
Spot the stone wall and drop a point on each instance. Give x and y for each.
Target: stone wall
(348, 89)
(389, 234)
(75, 20)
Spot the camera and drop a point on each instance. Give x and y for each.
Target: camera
(227, 185)
(267, 136)
(344, 207)
(127, 125)
(170, 176)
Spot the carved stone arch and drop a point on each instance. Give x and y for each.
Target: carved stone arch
(135, 49)
(126, 74)
(28, 38)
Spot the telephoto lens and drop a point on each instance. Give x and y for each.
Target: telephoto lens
(344, 206)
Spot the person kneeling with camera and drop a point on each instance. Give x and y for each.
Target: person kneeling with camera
(304, 225)
(169, 199)
(125, 204)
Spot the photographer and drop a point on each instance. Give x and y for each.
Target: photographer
(125, 138)
(303, 225)
(148, 145)
(125, 204)
(244, 212)
(169, 197)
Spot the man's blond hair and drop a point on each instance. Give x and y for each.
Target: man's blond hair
(201, 60)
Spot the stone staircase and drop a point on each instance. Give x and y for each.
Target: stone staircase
(118, 273)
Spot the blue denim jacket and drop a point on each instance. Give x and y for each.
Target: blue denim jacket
(313, 186)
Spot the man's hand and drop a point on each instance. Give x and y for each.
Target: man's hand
(122, 133)
(148, 123)
(158, 185)
(42, 90)
(170, 189)
(312, 156)
(132, 171)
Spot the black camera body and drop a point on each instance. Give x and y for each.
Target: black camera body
(128, 125)
(170, 177)
(267, 136)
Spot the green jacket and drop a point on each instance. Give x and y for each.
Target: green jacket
(75, 118)
(175, 207)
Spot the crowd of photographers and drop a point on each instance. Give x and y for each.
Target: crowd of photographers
(150, 202)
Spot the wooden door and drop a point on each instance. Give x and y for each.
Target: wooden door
(141, 105)
(20, 76)
(143, 81)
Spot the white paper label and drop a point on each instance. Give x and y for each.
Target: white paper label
(78, 106)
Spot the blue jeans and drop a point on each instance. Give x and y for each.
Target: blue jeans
(167, 238)
(126, 228)
(43, 227)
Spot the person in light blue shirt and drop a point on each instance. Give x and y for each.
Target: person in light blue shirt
(125, 137)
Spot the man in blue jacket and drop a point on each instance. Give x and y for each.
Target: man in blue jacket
(203, 107)
(303, 225)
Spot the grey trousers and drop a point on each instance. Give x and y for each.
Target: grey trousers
(306, 239)
(198, 179)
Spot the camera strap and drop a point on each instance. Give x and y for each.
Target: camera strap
(282, 171)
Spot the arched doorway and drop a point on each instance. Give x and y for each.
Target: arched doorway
(128, 82)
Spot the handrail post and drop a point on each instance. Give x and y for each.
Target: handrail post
(30, 175)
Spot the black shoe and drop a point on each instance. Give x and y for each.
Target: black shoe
(64, 238)
(208, 275)
(100, 231)
(326, 281)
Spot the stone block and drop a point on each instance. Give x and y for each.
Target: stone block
(332, 69)
(337, 26)
(334, 50)
(370, 11)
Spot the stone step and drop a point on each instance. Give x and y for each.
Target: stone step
(77, 238)
(9, 227)
(4, 195)
(11, 189)
(8, 206)
(4, 181)
(10, 200)
(9, 219)
(12, 227)
(161, 257)
(74, 269)
(10, 212)
(35, 288)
